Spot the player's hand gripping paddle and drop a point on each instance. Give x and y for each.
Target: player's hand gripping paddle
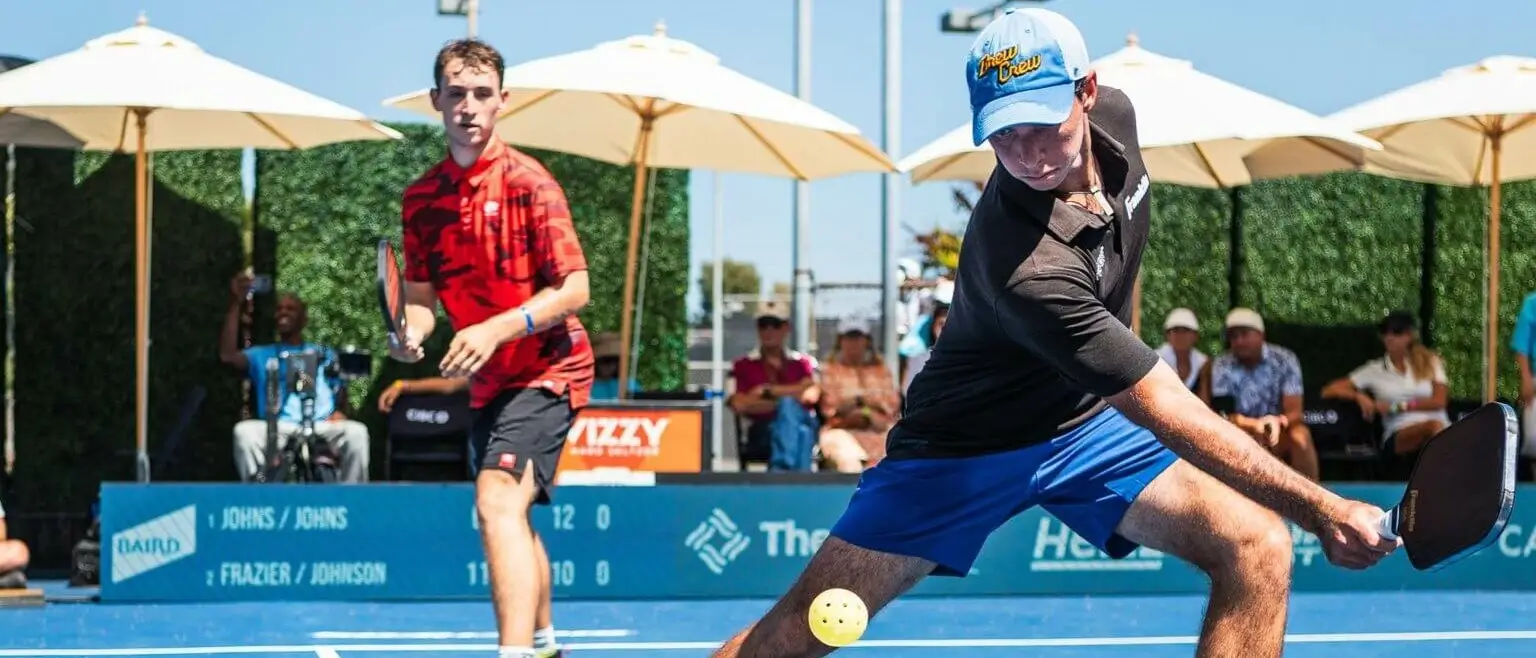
(1461, 492)
(392, 295)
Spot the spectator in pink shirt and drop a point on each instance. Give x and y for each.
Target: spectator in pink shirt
(775, 388)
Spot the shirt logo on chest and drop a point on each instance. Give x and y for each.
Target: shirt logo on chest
(1136, 197)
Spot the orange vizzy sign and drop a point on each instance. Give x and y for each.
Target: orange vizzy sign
(645, 440)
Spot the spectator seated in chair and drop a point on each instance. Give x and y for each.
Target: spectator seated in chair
(1258, 386)
(1181, 330)
(775, 388)
(1406, 388)
(13, 559)
(1523, 342)
(858, 400)
(605, 370)
(926, 334)
(348, 438)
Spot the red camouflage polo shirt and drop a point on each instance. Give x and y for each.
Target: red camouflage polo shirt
(488, 238)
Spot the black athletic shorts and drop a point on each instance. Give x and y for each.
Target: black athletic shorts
(523, 426)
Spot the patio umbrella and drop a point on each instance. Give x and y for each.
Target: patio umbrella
(1195, 129)
(1470, 126)
(655, 101)
(143, 90)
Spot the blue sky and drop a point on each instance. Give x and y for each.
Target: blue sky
(1321, 55)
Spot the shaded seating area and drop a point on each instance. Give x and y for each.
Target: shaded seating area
(428, 439)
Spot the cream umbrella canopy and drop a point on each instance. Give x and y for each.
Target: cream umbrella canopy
(1195, 129)
(1470, 126)
(655, 101)
(144, 89)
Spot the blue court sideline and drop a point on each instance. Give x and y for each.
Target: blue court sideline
(1357, 625)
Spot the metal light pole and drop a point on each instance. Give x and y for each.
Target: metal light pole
(801, 310)
(717, 331)
(966, 21)
(890, 224)
(469, 9)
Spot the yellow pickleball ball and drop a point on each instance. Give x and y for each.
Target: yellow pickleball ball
(838, 617)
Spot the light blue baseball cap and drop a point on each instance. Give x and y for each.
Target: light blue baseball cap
(1022, 70)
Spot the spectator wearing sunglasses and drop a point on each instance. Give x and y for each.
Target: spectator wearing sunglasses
(1406, 387)
(775, 388)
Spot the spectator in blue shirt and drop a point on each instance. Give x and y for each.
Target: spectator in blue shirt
(605, 377)
(1257, 384)
(1523, 342)
(348, 438)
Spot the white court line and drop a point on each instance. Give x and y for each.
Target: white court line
(456, 635)
(326, 652)
(1144, 641)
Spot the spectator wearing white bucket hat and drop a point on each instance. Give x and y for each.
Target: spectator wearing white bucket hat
(1180, 331)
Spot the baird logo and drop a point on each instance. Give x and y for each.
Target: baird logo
(154, 543)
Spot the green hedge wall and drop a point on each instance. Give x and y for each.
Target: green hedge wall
(1324, 258)
(1186, 260)
(74, 307)
(326, 207)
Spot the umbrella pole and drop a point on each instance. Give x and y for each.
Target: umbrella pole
(627, 320)
(1491, 326)
(140, 308)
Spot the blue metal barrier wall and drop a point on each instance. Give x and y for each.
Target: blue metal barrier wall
(168, 542)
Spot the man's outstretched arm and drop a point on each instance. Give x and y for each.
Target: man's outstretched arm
(1057, 316)
(1192, 431)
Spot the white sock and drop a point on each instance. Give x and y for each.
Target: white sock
(515, 652)
(544, 637)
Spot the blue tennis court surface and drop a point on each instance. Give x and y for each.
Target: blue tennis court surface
(1349, 625)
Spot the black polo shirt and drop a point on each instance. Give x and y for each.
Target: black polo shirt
(1039, 332)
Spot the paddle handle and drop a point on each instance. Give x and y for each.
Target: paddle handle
(1387, 526)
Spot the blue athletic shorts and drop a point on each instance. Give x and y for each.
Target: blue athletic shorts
(944, 509)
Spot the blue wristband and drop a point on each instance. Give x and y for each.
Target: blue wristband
(529, 318)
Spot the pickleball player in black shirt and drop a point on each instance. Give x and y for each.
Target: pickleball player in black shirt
(1038, 393)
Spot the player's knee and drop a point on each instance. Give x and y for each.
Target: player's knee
(1261, 549)
(499, 500)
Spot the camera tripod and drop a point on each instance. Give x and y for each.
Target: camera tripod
(307, 457)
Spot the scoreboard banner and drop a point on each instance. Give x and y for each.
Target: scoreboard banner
(226, 542)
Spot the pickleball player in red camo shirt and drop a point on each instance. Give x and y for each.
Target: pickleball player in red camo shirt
(488, 233)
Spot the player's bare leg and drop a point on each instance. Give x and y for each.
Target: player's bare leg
(544, 617)
(784, 632)
(1244, 548)
(502, 503)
